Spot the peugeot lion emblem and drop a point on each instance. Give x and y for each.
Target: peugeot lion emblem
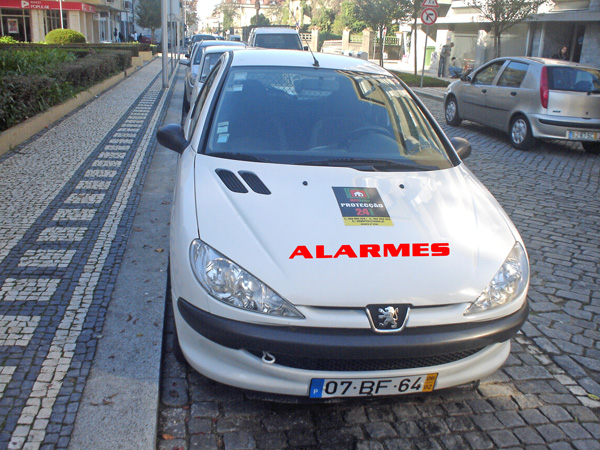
(387, 318)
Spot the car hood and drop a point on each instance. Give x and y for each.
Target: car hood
(439, 238)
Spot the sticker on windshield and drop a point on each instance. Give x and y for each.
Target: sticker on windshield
(222, 127)
(362, 207)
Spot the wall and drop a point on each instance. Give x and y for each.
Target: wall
(591, 45)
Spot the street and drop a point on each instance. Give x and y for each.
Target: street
(83, 257)
(546, 396)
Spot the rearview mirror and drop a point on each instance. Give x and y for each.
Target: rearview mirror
(461, 146)
(172, 137)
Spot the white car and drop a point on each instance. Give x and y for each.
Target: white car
(275, 37)
(209, 59)
(328, 241)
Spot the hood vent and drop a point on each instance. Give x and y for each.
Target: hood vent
(232, 182)
(254, 182)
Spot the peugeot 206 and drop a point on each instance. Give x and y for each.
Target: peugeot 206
(328, 241)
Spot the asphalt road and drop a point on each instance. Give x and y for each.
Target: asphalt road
(545, 397)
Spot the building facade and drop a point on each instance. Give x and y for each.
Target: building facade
(32, 20)
(571, 23)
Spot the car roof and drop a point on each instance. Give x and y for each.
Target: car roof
(223, 47)
(274, 30)
(543, 61)
(297, 58)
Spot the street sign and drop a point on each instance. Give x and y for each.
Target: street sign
(430, 4)
(428, 16)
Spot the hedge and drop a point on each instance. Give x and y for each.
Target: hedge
(37, 92)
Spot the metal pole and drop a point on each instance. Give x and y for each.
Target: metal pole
(424, 54)
(165, 67)
(61, 19)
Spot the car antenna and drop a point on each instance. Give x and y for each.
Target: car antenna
(315, 63)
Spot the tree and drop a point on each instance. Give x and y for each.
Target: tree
(323, 18)
(379, 14)
(229, 14)
(347, 19)
(148, 15)
(504, 14)
(260, 21)
(191, 19)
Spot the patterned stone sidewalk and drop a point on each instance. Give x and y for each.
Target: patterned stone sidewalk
(67, 204)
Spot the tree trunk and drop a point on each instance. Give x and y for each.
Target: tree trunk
(497, 44)
(414, 43)
(381, 45)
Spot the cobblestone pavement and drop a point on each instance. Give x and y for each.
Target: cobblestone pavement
(545, 397)
(68, 198)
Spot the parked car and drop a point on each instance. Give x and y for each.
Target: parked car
(234, 37)
(530, 98)
(191, 71)
(198, 38)
(209, 61)
(275, 37)
(328, 241)
(144, 39)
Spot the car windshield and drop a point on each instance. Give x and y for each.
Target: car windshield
(282, 41)
(210, 60)
(323, 117)
(574, 79)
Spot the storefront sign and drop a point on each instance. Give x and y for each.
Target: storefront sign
(42, 4)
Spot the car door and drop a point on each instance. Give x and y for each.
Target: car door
(473, 94)
(504, 96)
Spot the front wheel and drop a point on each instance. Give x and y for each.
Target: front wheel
(592, 148)
(451, 112)
(520, 134)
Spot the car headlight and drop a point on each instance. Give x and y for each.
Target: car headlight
(508, 284)
(229, 283)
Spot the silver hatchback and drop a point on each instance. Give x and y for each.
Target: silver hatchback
(530, 98)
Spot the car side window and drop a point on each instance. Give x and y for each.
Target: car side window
(513, 75)
(202, 97)
(487, 75)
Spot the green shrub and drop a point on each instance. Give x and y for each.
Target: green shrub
(39, 61)
(35, 93)
(7, 40)
(93, 68)
(64, 36)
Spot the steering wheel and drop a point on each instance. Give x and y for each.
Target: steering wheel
(354, 134)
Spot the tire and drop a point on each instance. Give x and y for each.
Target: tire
(451, 112)
(176, 348)
(519, 133)
(593, 148)
(185, 108)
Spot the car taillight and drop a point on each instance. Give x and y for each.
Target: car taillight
(544, 92)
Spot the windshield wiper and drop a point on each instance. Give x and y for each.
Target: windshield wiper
(366, 164)
(595, 91)
(237, 156)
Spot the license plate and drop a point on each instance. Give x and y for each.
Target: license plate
(583, 135)
(370, 387)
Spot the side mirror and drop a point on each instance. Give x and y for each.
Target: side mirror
(184, 62)
(461, 146)
(172, 137)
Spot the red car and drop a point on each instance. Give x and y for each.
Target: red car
(144, 39)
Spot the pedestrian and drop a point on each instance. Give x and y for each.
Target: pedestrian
(121, 37)
(135, 36)
(444, 58)
(563, 53)
(116, 35)
(454, 69)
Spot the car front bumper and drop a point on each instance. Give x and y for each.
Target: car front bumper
(284, 360)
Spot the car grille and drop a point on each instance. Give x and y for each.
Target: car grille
(358, 365)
